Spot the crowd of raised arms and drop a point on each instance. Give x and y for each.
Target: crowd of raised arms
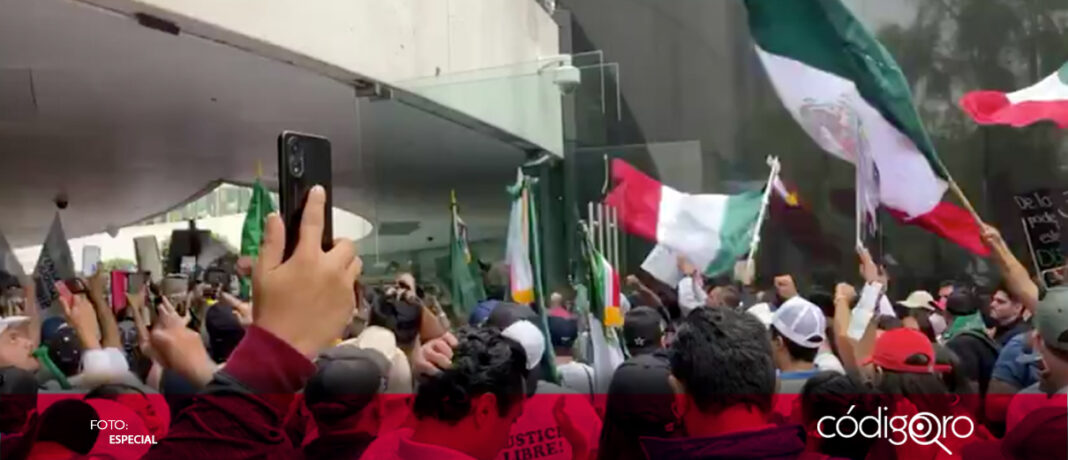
(315, 366)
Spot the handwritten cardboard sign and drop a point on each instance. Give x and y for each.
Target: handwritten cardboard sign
(1040, 215)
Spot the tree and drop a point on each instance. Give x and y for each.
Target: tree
(118, 264)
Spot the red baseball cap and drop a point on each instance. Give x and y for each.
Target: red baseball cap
(894, 347)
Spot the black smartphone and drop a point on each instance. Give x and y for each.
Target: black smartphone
(303, 162)
(76, 286)
(216, 277)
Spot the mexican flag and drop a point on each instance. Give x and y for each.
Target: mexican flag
(259, 206)
(603, 317)
(713, 231)
(848, 94)
(517, 253)
(1045, 100)
(606, 281)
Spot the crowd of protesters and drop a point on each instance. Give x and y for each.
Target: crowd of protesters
(314, 366)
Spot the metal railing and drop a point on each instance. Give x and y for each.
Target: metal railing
(603, 223)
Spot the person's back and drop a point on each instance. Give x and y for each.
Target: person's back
(797, 333)
(537, 432)
(639, 405)
(574, 375)
(340, 396)
(467, 410)
(722, 360)
(830, 394)
(967, 338)
(978, 354)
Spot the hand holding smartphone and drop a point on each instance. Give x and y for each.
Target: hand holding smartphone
(303, 162)
(68, 288)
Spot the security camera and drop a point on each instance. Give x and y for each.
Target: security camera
(61, 200)
(567, 77)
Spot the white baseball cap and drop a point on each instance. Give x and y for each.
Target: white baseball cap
(12, 321)
(530, 337)
(800, 321)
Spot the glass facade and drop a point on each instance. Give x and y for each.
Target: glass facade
(224, 200)
(676, 89)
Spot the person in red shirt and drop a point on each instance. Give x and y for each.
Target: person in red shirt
(466, 411)
(724, 379)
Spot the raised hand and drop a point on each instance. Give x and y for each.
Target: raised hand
(98, 287)
(871, 272)
(243, 310)
(845, 292)
(308, 299)
(745, 272)
(179, 348)
(434, 355)
(991, 236)
(785, 286)
(168, 316)
(82, 317)
(135, 303)
(686, 267)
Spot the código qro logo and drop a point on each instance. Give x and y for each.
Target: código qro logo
(923, 428)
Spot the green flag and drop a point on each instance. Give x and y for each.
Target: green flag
(259, 206)
(548, 360)
(466, 287)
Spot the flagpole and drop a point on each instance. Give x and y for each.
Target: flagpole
(963, 199)
(858, 205)
(549, 356)
(755, 241)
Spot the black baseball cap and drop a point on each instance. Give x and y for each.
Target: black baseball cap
(346, 380)
(65, 350)
(643, 327)
(963, 302)
(506, 313)
(224, 331)
(563, 331)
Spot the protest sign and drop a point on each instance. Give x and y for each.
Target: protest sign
(1039, 216)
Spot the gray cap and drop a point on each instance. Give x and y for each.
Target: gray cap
(1051, 318)
(346, 379)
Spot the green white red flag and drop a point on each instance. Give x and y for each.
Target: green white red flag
(1045, 100)
(849, 95)
(517, 253)
(712, 230)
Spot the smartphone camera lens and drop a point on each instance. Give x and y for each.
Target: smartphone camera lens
(296, 159)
